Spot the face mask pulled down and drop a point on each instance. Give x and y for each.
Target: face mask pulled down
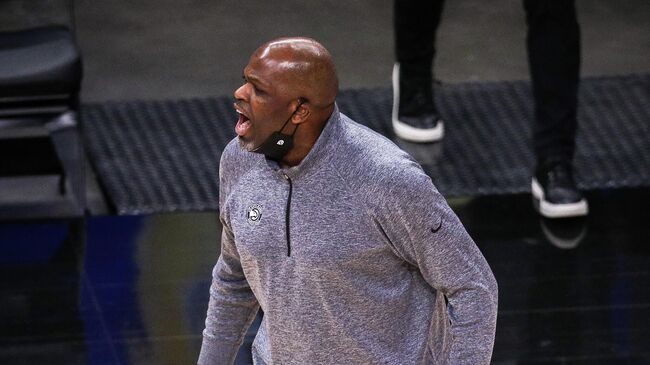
(278, 144)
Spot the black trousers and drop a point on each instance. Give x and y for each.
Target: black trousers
(553, 45)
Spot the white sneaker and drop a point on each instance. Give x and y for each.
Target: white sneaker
(427, 128)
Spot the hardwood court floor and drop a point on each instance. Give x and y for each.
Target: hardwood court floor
(571, 292)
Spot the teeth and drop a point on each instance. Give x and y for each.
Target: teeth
(242, 114)
(237, 109)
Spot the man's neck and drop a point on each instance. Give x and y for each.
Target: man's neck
(300, 150)
(297, 154)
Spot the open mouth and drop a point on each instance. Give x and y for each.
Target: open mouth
(243, 123)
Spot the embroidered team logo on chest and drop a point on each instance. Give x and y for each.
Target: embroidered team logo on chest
(254, 214)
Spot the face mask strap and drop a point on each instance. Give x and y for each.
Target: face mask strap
(270, 146)
(301, 101)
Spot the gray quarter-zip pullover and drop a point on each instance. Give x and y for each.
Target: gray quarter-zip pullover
(354, 257)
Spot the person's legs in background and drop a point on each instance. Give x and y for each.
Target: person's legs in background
(553, 45)
(415, 117)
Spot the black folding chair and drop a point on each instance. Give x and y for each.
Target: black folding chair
(41, 153)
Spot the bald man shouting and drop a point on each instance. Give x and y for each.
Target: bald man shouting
(336, 234)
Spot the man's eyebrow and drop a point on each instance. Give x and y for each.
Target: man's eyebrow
(255, 80)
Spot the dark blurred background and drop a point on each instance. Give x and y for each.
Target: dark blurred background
(133, 289)
(153, 49)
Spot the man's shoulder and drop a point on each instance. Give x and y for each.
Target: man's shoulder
(233, 154)
(362, 138)
(382, 173)
(232, 150)
(374, 160)
(234, 161)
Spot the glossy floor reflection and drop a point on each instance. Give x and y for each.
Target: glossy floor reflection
(571, 292)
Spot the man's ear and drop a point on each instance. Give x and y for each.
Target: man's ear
(303, 110)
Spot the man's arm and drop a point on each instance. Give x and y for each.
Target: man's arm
(428, 235)
(231, 309)
(232, 305)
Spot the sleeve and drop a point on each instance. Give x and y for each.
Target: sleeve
(232, 306)
(426, 233)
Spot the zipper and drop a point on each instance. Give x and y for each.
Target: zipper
(288, 215)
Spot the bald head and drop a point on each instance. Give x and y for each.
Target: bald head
(290, 86)
(305, 68)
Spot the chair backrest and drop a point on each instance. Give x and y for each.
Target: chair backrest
(41, 151)
(40, 64)
(40, 71)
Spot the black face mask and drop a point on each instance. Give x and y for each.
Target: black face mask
(278, 144)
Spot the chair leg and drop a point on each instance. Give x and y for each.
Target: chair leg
(62, 187)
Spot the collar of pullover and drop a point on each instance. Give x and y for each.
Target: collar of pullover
(318, 153)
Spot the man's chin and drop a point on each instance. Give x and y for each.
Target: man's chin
(244, 144)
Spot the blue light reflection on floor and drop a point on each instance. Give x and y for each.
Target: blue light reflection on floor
(138, 293)
(109, 261)
(30, 243)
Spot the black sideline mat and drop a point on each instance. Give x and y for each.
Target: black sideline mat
(163, 156)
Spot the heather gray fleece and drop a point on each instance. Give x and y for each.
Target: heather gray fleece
(362, 274)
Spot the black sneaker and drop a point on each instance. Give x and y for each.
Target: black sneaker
(425, 127)
(555, 192)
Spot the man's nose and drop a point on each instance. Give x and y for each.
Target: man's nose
(241, 93)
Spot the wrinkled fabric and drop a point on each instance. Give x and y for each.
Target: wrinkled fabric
(375, 268)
